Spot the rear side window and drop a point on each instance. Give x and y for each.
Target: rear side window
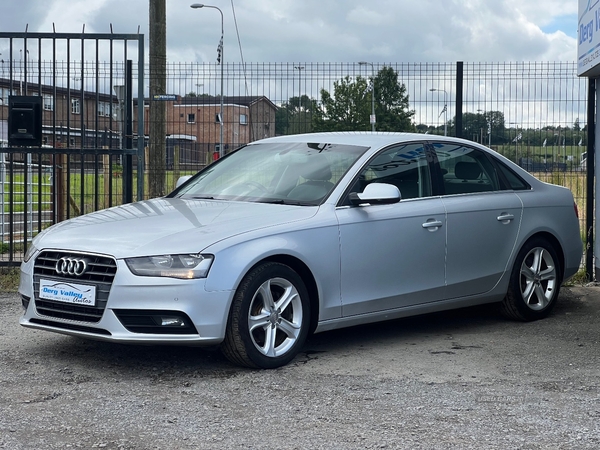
(465, 170)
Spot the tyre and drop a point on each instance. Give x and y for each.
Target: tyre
(534, 283)
(269, 318)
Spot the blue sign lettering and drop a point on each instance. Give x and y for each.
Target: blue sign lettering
(586, 32)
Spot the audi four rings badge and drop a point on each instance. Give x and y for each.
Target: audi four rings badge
(71, 266)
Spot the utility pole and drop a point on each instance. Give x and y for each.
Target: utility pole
(158, 85)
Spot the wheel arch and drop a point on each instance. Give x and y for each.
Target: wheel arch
(307, 277)
(552, 240)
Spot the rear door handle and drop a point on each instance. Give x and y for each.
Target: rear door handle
(505, 218)
(432, 225)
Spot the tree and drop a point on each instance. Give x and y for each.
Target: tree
(295, 116)
(477, 126)
(391, 103)
(349, 108)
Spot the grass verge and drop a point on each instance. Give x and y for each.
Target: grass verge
(9, 279)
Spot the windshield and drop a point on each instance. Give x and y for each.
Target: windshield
(290, 173)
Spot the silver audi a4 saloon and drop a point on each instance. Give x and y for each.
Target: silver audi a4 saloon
(301, 234)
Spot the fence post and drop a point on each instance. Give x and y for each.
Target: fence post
(2, 184)
(591, 159)
(176, 156)
(458, 123)
(107, 181)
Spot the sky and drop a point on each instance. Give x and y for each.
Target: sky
(283, 31)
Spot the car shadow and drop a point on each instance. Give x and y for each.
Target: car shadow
(150, 360)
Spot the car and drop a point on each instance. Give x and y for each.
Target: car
(300, 234)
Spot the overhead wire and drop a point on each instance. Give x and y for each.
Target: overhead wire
(240, 46)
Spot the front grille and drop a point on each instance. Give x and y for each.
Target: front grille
(100, 273)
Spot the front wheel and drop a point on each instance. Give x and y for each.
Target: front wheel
(269, 318)
(534, 283)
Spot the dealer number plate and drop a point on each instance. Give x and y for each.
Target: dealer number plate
(78, 294)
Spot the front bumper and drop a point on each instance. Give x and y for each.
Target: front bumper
(152, 310)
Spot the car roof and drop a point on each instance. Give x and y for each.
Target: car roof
(376, 139)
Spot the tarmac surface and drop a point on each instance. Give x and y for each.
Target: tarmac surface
(466, 379)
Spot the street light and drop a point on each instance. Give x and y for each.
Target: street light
(299, 69)
(220, 60)
(372, 118)
(445, 110)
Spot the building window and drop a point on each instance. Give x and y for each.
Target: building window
(48, 100)
(243, 119)
(191, 118)
(104, 109)
(218, 118)
(75, 106)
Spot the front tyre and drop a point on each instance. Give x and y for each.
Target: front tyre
(269, 318)
(534, 283)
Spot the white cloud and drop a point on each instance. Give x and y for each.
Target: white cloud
(327, 30)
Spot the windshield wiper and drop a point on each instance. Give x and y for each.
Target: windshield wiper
(203, 197)
(279, 201)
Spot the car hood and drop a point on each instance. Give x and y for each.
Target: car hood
(165, 225)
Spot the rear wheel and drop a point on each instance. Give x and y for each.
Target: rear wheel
(534, 283)
(269, 318)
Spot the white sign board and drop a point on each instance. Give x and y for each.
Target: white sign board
(588, 38)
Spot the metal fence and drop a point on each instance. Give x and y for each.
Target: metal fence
(534, 113)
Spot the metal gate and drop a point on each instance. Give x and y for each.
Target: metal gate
(88, 148)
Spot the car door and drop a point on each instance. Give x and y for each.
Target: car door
(483, 220)
(393, 255)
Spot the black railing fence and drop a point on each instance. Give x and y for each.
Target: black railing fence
(534, 113)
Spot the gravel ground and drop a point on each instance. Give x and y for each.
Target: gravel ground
(466, 379)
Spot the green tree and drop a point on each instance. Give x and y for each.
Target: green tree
(477, 126)
(391, 103)
(349, 108)
(295, 116)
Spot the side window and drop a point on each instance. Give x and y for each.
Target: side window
(465, 170)
(514, 181)
(404, 166)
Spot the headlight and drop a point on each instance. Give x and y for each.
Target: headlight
(31, 250)
(173, 266)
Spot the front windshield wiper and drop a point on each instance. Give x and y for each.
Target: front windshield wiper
(203, 197)
(279, 201)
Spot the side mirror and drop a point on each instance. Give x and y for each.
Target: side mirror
(376, 194)
(182, 180)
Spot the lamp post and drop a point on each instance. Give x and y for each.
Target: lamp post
(372, 119)
(445, 110)
(198, 6)
(299, 69)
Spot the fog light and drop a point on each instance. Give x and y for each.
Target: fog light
(172, 322)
